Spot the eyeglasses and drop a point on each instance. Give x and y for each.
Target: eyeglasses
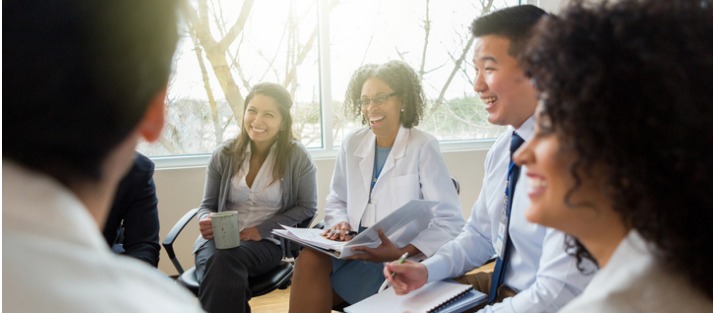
(378, 100)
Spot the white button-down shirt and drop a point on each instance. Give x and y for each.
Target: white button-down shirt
(56, 260)
(258, 203)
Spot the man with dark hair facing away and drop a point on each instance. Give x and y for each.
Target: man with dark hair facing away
(84, 81)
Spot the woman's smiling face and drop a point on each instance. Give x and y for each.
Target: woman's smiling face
(262, 119)
(383, 111)
(556, 200)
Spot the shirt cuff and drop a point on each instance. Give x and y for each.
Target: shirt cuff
(437, 267)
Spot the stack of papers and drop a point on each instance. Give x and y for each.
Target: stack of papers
(416, 214)
(312, 237)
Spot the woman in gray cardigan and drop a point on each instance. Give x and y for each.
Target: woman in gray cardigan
(270, 179)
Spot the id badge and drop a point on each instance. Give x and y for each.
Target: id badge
(502, 232)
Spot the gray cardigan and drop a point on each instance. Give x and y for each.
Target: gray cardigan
(299, 188)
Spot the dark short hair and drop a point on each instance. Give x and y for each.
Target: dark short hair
(401, 78)
(79, 75)
(627, 87)
(514, 23)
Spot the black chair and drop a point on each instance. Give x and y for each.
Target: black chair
(278, 278)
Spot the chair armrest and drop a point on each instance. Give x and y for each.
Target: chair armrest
(171, 237)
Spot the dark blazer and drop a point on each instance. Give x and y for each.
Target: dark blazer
(135, 206)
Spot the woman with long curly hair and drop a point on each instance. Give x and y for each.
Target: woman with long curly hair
(621, 156)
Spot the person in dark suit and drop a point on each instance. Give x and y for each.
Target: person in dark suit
(132, 226)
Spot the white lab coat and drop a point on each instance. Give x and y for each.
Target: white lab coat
(414, 169)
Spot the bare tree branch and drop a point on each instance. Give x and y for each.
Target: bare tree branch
(301, 55)
(237, 28)
(215, 54)
(455, 70)
(296, 59)
(165, 141)
(426, 36)
(458, 63)
(217, 13)
(402, 55)
(235, 64)
(271, 61)
(209, 93)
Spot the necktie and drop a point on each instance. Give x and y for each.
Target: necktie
(501, 263)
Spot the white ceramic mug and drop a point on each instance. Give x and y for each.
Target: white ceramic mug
(225, 229)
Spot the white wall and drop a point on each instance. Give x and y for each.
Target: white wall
(180, 189)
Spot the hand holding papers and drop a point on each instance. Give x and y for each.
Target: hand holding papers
(401, 225)
(312, 237)
(340, 232)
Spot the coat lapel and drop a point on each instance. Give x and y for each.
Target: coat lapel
(365, 152)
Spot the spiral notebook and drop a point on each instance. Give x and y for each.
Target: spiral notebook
(439, 296)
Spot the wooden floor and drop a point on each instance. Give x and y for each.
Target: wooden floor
(274, 302)
(278, 301)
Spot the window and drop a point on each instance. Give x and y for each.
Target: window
(312, 47)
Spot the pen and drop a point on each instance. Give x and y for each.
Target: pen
(386, 281)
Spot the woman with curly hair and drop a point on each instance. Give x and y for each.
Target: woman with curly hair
(379, 168)
(620, 158)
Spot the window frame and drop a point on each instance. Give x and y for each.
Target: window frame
(328, 151)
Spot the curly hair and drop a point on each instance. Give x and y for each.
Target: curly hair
(401, 78)
(627, 86)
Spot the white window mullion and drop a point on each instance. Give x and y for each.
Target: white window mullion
(325, 69)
